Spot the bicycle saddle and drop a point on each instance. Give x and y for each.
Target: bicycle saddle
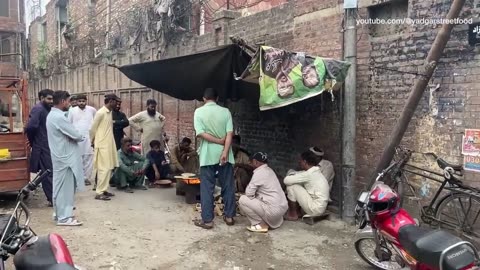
(444, 164)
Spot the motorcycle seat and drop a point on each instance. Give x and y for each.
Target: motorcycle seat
(427, 245)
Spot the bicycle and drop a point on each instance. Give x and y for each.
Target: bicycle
(452, 211)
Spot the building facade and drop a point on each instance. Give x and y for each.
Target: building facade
(12, 37)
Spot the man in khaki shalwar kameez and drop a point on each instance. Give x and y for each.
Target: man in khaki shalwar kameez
(105, 151)
(150, 123)
(184, 159)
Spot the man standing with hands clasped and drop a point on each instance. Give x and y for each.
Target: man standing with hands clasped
(150, 123)
(213, 124)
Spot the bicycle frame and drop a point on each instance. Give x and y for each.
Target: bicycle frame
(427, 210)
(452, 186)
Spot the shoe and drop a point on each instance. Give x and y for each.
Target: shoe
(69, 222)
(108, 194)
(229, 223)
(102, 198)
(87, 183)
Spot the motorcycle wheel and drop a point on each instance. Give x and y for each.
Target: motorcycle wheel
(369, 256)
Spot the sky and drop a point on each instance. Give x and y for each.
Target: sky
(28, 8)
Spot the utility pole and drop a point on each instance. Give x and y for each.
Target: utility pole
(420, 85)
(349, 113)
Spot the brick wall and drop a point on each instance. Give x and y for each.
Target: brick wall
(12, 22)
(442, 116)
(52, 27)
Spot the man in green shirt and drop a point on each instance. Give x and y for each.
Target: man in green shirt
(213, 125)
(131, 171)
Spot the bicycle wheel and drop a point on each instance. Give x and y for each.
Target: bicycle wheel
(459, 213)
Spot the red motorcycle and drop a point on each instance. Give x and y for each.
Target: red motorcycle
(31, 252)
(389, 238)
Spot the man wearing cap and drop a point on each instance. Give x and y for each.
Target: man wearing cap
(307, 189)
(105, 153)
(264, 202)
(150, 123)
(326, 167)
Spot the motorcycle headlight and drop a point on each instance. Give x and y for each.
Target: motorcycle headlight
(362, 199)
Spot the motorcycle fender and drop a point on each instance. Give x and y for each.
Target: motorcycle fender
(366, 232)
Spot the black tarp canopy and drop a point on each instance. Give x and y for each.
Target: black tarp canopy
(186, 77)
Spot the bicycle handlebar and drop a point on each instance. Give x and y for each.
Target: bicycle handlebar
(33, 185)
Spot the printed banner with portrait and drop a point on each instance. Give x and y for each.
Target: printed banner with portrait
(471, 142)
(288, 77)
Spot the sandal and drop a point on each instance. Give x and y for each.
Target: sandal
(203, 225)
(257, 228)
(229, 223)
(102, 198)
(69, 222)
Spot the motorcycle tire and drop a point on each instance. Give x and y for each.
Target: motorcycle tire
(375, 263)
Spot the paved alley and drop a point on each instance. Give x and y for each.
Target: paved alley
(153, 230)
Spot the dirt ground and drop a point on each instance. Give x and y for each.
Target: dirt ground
(153, 229)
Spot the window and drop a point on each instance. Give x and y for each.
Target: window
(5, 47)
(390, 10)
(62, 20)
(42, 32)
(4, 8)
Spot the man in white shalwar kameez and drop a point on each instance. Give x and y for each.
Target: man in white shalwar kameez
(308, 189)
(63, 141)
(82, 118)
(150, 123)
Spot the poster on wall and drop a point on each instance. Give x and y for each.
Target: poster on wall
(472, 163)
(471, 142)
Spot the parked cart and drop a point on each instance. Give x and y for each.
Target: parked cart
(14, 151)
